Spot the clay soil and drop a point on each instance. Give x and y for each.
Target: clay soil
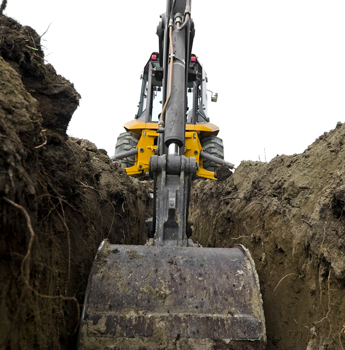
(60, 197)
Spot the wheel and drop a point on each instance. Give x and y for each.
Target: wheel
(126, 142)
(214, 146)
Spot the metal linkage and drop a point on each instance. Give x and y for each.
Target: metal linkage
(173, 176)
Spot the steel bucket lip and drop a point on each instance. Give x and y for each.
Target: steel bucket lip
(257, 281)
(178, 253)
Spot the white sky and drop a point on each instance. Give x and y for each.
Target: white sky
(277, 65)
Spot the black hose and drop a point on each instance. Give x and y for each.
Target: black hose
(172, 10)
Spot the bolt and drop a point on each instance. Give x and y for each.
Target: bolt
(140, 166)
(141, 150)
(195, 152)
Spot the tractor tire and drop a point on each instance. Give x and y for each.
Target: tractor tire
(126, 142)
(214, 146)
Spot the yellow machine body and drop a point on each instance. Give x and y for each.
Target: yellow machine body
(147, 144)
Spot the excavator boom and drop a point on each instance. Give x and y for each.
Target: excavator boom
(172, 293)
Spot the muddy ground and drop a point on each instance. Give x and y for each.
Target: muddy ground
(60, 197)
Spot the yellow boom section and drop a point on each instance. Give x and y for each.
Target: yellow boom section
(147, 144)
(137, 126)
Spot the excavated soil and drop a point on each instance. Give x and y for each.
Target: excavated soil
(60, 197)
(290, 214)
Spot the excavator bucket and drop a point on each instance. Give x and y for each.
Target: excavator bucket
(149, 297)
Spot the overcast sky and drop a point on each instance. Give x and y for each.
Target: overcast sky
(278, 66)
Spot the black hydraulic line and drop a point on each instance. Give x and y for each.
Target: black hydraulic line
(171, 74)
(165, 55)
(216, 159)
(185, 22)
(187, 14)
(176, 108)
(172, 10)
(122, 155)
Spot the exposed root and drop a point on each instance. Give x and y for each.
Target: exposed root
(308, 223)
(329, 299)
(107, 199)
(25, 266)
(290, 274)
(87, 186)
(63, 219)
(240, 237)
(62, 297)
(45, 139)
(340, 333)
(46, 31)
(323, 240)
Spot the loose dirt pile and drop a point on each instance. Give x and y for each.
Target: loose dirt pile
(60, 197)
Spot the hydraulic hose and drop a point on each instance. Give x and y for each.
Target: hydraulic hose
(171, 72)
(172, 10)
(187, 15)
(185, 22)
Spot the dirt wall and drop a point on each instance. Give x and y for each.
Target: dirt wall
(290, 214)
(59, 198)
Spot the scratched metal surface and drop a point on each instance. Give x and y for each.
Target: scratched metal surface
(144, 296)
